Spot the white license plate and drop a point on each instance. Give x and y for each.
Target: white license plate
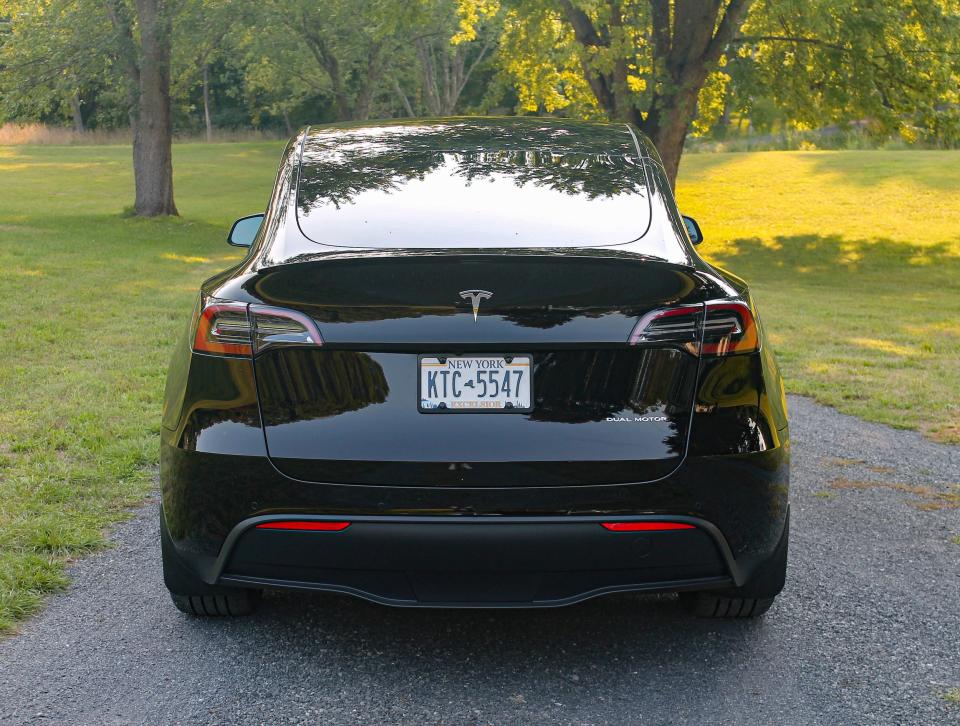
(476, 383)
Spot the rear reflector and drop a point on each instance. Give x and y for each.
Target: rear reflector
(645, 526)
(306, 526)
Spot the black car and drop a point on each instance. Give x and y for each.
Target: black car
(474, 362)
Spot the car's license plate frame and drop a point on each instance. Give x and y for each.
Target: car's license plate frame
(509, 357)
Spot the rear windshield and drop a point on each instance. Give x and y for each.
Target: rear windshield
(384, 195)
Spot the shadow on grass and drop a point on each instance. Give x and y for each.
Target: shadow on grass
(938, 170)
(694, 168)
(834, 259)
(935, 170)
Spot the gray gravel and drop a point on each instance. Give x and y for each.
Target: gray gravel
(867, 631)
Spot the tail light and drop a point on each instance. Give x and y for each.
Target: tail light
(279, 327)
(229, 328)
(223, 328)
(675, 326)
(727, 328)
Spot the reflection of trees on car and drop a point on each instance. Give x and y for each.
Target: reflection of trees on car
(340, 163)
(315, 385)
(642, 382)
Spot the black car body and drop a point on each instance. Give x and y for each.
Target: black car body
(304, 442)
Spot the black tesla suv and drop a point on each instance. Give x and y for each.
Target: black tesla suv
(474, 362)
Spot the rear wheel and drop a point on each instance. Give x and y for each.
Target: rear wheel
(192, 595)
(705, 605)
(241, 602)
(752, 599)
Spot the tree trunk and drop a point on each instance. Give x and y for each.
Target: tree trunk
(286, 122)
(206, 102)
(153, 135)
(669, 126)
(686, 43)
(364, 101)
(76, 112)
(403, 98)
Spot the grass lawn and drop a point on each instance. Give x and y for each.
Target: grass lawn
(854, 257)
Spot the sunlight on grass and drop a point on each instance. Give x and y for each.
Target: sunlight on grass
(884, 346)
(854, 259)
(184, 258)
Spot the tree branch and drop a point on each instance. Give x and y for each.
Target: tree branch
(731, 22)
(586, 34)
(476, 62)
(583, 29)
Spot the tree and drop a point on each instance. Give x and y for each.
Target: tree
(896, 64)
(641, 62)
(47, 69)
(201, 39)
(57, 42)
(348, 46)
(648, 62)
(145, 58)
(365, 58)
(447, 54)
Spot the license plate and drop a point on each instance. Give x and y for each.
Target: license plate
(476, 383)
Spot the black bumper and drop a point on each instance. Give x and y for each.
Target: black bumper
(452, 562)
(443, 546)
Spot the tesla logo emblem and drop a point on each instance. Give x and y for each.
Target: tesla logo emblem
(475, 296)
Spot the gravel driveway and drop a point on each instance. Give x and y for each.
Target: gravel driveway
(867, 631)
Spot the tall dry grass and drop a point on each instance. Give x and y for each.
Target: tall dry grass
(12, 134)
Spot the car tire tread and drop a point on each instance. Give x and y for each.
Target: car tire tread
(717, 606)
(229, 605)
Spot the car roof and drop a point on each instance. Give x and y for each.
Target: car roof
(473, 182)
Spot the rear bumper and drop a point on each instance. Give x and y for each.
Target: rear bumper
(453, 562)
(443, 546)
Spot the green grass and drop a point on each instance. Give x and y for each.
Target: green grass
(92, 302)
(854, 257)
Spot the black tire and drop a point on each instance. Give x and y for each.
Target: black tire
(706, 605)
(192, 595)
(756, 596)
(241, 602)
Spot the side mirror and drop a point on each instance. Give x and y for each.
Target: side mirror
(693, 229)
(244, 230)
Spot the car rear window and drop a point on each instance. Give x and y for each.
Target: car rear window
(373, 193)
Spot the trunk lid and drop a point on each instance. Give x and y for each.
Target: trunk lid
(603, 411)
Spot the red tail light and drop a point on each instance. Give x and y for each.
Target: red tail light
(223, 328)
(727, 328)
(645, 526)
(679, 325)
(279, 327)
(306, 526)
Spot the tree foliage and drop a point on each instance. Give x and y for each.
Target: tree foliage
(673, 66)
(670, 67)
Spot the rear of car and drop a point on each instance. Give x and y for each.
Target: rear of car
(474, 363)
